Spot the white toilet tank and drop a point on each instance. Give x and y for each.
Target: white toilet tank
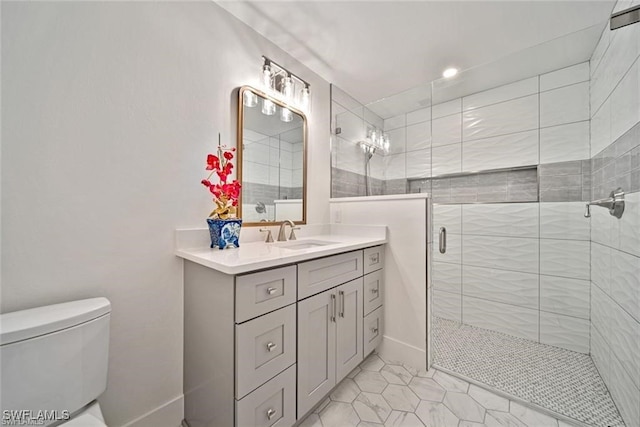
(53, 359)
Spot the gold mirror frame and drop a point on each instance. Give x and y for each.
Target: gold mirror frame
(239, 143)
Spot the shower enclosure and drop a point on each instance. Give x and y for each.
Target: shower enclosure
(531, 298)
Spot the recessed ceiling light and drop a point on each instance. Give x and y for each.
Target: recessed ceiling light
(449, 72)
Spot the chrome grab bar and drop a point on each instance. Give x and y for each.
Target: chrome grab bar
(443, 240)
(615, 204)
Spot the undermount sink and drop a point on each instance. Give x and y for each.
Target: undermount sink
(305, 244)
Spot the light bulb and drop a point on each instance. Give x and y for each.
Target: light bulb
(286, 115)
(268, 107)
(449, 72)
(266, 76)
(250, 99)
(287, 87)
(305, 98)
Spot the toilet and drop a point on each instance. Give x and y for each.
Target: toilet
(54, 363)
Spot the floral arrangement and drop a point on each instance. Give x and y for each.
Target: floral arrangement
(225, 195)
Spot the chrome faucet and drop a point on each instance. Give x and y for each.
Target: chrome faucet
(615, 204)
(281, 235)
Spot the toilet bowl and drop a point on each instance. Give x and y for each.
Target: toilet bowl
(54, 362)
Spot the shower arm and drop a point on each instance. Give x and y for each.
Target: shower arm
(615, 204)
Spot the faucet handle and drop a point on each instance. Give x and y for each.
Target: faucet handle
(292, 236)
(269, 238)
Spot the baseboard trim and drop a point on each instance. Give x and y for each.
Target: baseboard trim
(170, 414)
(392, 349)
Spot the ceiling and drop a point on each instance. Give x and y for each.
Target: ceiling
(376, 49)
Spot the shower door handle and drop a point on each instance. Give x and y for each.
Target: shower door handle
(443, 240)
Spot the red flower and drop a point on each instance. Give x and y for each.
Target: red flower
(213, 162)
(206, 183)
(228, 155)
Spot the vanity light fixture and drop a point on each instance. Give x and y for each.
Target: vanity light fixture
(286, 115)
(249, 99)
(283, 84)
(449, 72)
(376, 140)
(268, 107)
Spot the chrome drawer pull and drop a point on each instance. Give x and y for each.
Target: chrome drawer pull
(374, 290)
(271, 291)
(271, 346)
(373, 258)
(333, 308)
(271, 413)
(341, 303)
(374, 330)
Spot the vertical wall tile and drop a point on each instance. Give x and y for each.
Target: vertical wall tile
(625, 342)
(601, 266)
(565, 332)
(394, 166)
(509, 319)
(625, 282)
(564, 143)
(517, 115)
(566, 76)
(509, 287)
(564, 105)
(625, 394)
(564, 220)
(601, 128)
(565, 296)
(625, 103)
(454, 248)
(449, 216)
(419, 116)
(446, 159)
(447, 277)
(419, 136)
(419, 163)
(446, 130)
(397, 140)
(600, 353)
(394, 122)
(446, 108)
(447, 305)
(501, 93)
(501, 219)
(504, 151)
(565, 258)
(629, 235)
(508, 253)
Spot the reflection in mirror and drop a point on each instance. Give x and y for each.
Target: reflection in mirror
(272, 163)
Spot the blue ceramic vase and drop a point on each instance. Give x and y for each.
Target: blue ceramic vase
(225, 233)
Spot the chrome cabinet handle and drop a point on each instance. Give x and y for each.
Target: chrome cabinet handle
(374, 258)
(374, 290)
(333, 307)
(271, 346)
(341, 303)
(271, 413)
(271, 291)
(443, 240)
(374, 330)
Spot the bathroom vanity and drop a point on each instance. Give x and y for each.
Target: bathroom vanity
(271, 328)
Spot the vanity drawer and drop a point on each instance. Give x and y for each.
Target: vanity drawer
(373, 329)
(270, 405)
(373, 291)
(325, 273)
(264, 347)
(265, 291)
(373, 259)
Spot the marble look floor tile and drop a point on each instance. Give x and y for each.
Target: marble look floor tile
(366, 424)
(488, 400)
(346, 391)
(503, 419)
(464, 407)
(464, 423)
(427, 374)
(313, 420)
(428, 389)
(396, 374)
(450, 383)
(436, 414)
(403, 419)
(372, 407)
(372, 363)
(401, 398)
(339, 414)
(531, 417)
(371, 381)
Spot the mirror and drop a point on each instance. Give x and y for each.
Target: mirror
(271, 163)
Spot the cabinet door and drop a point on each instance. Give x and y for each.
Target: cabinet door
(316, 349)
(349, 327)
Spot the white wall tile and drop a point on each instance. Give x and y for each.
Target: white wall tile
(625, 282)
(446, 159)
(418, 116)
(629, 235)
(605, 228)
(512, 150)
(352, 127)
(454, 249)
(447, 130)
(446, 108)
(256, 172)
(376, 165)
(566, 76)
(274, 175)
(601, 354)
(565, 332)
(419, 163)
(500, 94)
(348, 156)
(397, 140)
(564, 143)
(508, 253)
(509, 287)
(601, 266)
(565, 258)
(447, 305)
(625, 103)
(601, 128)
(419, 136)
(506, 117)
(561, 295)
(625, 393)
(447, 277)
(564, 105)
(394, 122)
(373, 119)
(598, 52)
(625, 342)
(564, 220)
(501, 219)
(601, 311)
(449, 216)
(509, 319)
(395, 166)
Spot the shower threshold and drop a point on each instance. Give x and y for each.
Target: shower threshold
(562, 381)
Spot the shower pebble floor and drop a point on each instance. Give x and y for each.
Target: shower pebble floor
(563, 381)
(381, 393)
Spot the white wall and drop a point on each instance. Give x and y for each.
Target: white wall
(615, 243)
(109, 110)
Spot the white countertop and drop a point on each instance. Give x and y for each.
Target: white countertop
(257, 255)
